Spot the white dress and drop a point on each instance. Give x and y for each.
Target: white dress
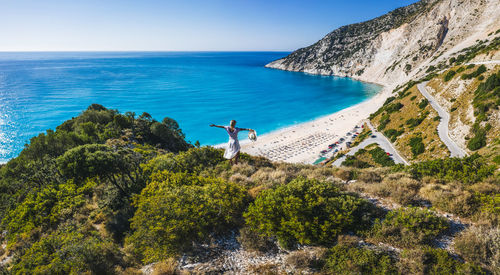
(233, 145)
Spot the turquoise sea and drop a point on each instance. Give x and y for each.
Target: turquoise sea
(39, 91)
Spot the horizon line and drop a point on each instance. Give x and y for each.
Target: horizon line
(90, 51)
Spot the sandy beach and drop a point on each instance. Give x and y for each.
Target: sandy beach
(303, 142)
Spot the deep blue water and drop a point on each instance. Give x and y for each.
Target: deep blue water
(39, 91)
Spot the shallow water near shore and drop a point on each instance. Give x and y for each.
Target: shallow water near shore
(39, 91)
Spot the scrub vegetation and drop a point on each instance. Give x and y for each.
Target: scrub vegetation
(107, 193)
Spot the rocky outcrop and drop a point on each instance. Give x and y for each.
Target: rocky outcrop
(398, 45)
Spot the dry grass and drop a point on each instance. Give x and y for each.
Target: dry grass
(399, 187)
(270, 177)
(241, 180)
(370, 175)
(253, 241)
(266, 269)
(303, 259)
(167, 267)
(450, 197)
(480, 245)
(129, 271)
(243, 168)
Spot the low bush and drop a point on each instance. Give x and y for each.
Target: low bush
(449, 75)
(70, 251)
(192, 160)
(380, 157)
(409, 227)
(481, 69)
(393, 134)
(430, 69)
(394, 107)
(487, 97)
(46, 209)
(384, 120)
(352, 161)
(414, 122)
(489, 208)
(307, 212)
(343, 259)
(177, 209)
(417, 146)
(479, 139)
(423, 103)
(467, 170)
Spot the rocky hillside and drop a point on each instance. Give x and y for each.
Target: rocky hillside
(399, 45)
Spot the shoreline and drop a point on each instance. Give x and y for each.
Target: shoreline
(302, 142)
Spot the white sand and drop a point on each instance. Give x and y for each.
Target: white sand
(303, 142)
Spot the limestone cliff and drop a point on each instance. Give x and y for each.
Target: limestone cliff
(399, 45)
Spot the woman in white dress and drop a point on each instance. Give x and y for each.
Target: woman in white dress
(233, 146)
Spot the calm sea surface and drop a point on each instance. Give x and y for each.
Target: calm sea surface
(39, 91)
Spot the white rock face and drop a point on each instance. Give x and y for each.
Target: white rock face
(429, 32)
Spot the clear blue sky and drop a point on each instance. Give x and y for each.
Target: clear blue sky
(190, 25)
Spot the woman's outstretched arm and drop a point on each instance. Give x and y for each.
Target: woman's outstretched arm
(218, 126)
(247, 129)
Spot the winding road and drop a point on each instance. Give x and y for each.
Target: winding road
(443, 130)
(379, 139)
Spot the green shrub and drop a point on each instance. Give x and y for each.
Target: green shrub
(481, 69)
(417, 146)
(449, 75)
(177, 209)
(70, 251)
(430, 69)
(384, 120)
(487, 97)
(423, 103)
(380, 157)
(409, 227)
(343, 259)
(414, 122)
(307, 212)
(479, 139)
(393, 107)
(393, 134)
(352, 161)
(192, 160)
(467, 170)
(45, 209)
